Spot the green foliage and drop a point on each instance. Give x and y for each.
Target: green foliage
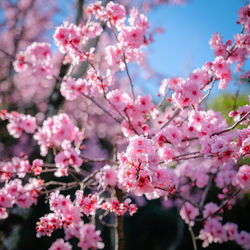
(226, 103)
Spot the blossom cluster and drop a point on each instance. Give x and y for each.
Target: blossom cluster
(36, 59)
(179, 152)
(19, 123)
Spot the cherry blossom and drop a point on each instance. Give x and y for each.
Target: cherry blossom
(112, 144)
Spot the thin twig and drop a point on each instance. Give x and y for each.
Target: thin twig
(101, 107)
(193, 237)
(223, 204)
(208, 93)
(124, 61)
(7, 54)
(233, 126)
(190, 229)
(171, 118)
(106, 161)
(204, 196)
(191, 153)
(129, 77)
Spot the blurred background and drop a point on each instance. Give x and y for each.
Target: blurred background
(182, 31)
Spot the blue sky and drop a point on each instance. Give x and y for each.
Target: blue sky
(184, 45)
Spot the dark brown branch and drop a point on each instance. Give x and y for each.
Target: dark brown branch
(79, 14)
(119, 233)
(223, 204)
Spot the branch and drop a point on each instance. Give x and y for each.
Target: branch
(79, 15)
(106, 161)
(101, 107)
(191, 157)
(191, 230)
(223, 204)
(172, 118)
(233, 126)
(62, 186)
(124, 61)
(8, 54)
(192, 153)
(208, 93)
(204, 196)
(129, 77)
(119, 233)
(193, 237)
(178, 196)
(101, 219)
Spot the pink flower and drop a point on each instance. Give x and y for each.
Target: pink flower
(199, 76)
(166, 179)
(163, 87)
(109, 176)
(232, 230)
(71, 88)
(48, 224)
(89, 238)
(70, 40)
(116, 13)
(19, 123)
(175, 82)
(225, 177)
(35, 60)
(166, 152)
(3, 213)
(92, 30)
(244, 16)
(28, 124)
(222, 71)
(217, 45)
(189, 92)
(87, 204)
(37, 166)
(59, 244)
(5, 199)
(173, 134)
(243, 177)
(113, 205)
(114, 56)
(119, 100)
(201, 179)
(57, 131)
(66, 158)
(188, 213)
(243, 239)
(144, 104)
(213, 232)
(209, 209)
(132, 37)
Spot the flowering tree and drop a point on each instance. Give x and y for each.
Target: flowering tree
(174, 150)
